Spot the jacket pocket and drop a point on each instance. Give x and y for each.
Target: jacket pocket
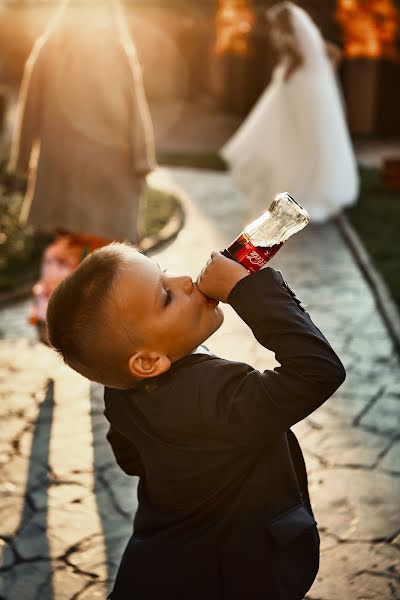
(286, 527)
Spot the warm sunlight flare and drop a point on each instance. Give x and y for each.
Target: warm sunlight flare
(370, 28)
(234, 20)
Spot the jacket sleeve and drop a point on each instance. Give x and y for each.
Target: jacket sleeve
(125, 453)
(27, 124)
(250, 406)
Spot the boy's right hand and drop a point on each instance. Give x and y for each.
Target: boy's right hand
(219, 277)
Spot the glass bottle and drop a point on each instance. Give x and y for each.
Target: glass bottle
(261, 240)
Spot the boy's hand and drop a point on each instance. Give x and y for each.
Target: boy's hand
(219, 277)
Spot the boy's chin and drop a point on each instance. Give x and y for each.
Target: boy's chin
(214, 326)
(219, 319)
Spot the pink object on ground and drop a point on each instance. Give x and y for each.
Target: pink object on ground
(60, 259)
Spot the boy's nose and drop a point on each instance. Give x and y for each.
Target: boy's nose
(185, 283)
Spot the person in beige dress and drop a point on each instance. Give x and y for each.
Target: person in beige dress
(83, 131)
(83, 136)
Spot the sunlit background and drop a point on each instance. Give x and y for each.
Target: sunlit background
(205, 63)
(219, 54)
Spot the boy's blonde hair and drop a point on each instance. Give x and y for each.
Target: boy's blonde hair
(79, 318)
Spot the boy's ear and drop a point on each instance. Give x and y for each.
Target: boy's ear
(148, 364)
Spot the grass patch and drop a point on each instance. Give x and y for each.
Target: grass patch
(376, 218)
(21, 247)
(158, 207)
(197, 160)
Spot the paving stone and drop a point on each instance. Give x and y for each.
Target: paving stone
(71, 524)
(11, 428)
(97, 398)
(25, 580)
(357, 572)
(90, 557)
(14, 323)
(60, 495)
(101, 554)
(12, 506)
(329, 416)
(391, 461)
(99, 426)
(7, 556)
(392, 387)
(31, 541)
(63, 584)
(381, 346)
(83, 506)
(341, 447)
(113, 511)
(18, 404)
(102, 453)
(346, 405)
(41, 449)
(41, 580)
(124, 488)
(312, 461)
(94, 591)
(355, 504)
(383, 416)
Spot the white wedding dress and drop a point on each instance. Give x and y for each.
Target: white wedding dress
(295, 139)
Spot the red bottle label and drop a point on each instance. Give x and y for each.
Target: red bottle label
(252, 257)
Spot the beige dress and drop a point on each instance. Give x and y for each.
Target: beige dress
(84, 134)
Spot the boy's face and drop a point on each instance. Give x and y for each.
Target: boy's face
(167, 313)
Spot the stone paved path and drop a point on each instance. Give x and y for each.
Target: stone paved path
(66, 508)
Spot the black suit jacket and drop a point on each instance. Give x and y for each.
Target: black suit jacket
(223, 508)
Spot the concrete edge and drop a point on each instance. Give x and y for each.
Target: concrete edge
(18, 293)
(380, 291)
(147, 245)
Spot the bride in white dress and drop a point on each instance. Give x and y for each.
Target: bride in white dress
(296, 139)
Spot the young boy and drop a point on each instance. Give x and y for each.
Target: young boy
(223, 507)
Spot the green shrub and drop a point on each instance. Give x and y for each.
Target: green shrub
(376, 218)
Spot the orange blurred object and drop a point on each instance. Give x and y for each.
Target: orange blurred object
(59, 260)
(233, 21)
(370, 28)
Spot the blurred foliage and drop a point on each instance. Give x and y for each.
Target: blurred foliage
(21, 247)
(376, 217)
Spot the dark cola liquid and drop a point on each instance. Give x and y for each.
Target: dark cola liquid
(250, 256)
(269, 251)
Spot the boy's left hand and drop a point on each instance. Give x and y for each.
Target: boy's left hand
(219, 277)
